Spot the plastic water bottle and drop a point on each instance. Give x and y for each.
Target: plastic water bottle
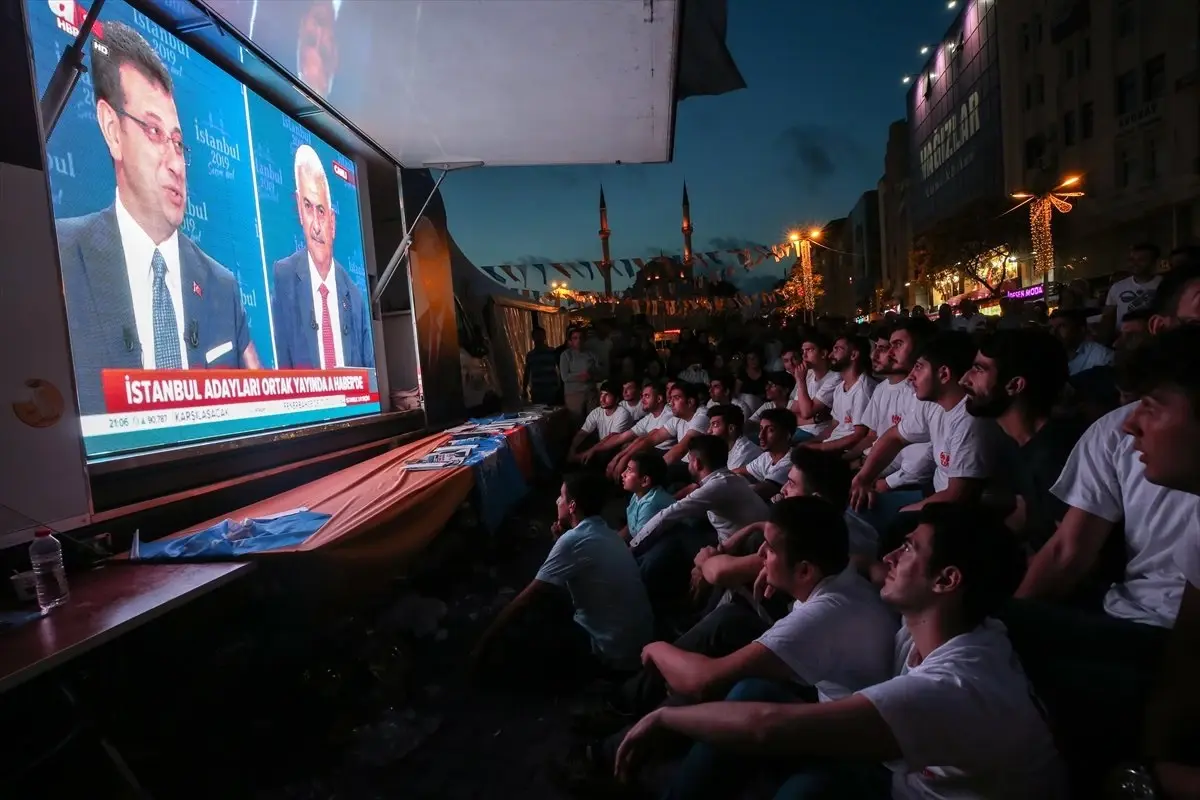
(49, 576)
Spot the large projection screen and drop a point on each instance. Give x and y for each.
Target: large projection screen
(211, 247)
(498, 82)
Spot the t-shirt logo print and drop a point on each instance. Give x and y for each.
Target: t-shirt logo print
(945, 459)
(895, 419)
(1136, 300)
(847, 419)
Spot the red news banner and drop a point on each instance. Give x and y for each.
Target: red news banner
(128, 391)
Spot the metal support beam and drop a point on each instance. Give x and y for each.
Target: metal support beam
(67, 73)
(406, 243)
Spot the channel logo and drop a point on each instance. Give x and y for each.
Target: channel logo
(70, 16)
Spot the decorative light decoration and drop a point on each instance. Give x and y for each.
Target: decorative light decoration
(803, 287)
(1041, 215)
(925, 50)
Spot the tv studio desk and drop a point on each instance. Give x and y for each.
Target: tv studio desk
(105, 604)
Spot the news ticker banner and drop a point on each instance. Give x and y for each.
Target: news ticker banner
(148, 408)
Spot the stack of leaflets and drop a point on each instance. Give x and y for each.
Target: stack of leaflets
(444, 457)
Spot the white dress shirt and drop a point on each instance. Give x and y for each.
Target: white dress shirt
(335, 312)
(139, 256)
(728, 500)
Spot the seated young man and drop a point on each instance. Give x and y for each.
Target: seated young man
(585, 613)
(1082, 660)
(689, 418)
(769, 471)
(962, 444)
(816, 380)
(1166, 432)
(721, 392)
(606, 421)
(652, 430)
(631, 400)
(958, 719)
(851, 359)
(1016, 379)
(777, 389)
(644, 478)
(727, 422)
(892, 401)
(837, 638)
(722, 503)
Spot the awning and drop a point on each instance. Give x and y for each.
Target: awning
(501, 82)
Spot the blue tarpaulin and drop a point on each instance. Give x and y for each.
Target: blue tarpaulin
(230, 539)
(499, 485)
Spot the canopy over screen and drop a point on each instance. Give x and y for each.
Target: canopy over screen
(503, 82)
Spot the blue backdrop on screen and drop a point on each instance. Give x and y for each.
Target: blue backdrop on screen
(240, 204)
(276, 137)
(212, 114)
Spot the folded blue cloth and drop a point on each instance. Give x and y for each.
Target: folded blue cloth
(231, 539)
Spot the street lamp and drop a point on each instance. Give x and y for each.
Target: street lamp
(1041, 213)
(803, 242)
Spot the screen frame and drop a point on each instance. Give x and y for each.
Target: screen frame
(135, 459)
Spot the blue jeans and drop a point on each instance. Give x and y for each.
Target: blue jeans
(887, 507)
(801, 436)
(710, 772)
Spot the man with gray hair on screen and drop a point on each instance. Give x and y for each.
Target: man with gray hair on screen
(321, 318)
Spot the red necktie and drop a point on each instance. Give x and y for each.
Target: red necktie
(327, 348)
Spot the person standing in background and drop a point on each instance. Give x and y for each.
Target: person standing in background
(600, 345)
(541, 371)
(1132, 293)
(579, 374)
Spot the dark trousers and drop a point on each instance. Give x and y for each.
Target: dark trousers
(543, 647)
(1094, 673)
(725, 630)
(713, 772)
(666, 567)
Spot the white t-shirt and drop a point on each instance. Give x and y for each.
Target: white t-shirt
(841, 639)
(727, 500)
(604, 423)
(764, 408)
(891, 403)
(694, 374)
(1129, 295)
(635, 409)
(961, 443)
(1090, 354)
(850, 406)
(766, 468)
(1187, 556)
(697, 424)
(650, 423)
(742, 452)
(967, 723)
(1105, 476)
(739, 402)
(820, 391)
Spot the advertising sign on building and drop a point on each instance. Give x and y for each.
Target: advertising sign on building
(954, 120)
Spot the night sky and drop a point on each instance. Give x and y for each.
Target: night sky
(797, 147)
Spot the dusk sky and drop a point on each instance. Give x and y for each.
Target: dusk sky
(797, 147)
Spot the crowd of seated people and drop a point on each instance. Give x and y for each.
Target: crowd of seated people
(938, 574)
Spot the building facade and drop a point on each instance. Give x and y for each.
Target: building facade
(1105, 91)
(866, 262)
(833, 264)
(895, 238)
(955, 121)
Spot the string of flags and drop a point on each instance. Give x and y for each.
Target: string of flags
(716, 264)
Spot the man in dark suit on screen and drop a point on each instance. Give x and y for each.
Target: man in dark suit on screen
(139, 294)
(321, 317)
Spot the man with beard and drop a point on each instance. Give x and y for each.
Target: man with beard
(894, 399)
(962, 444)
(1016, 379)
(851, 358)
